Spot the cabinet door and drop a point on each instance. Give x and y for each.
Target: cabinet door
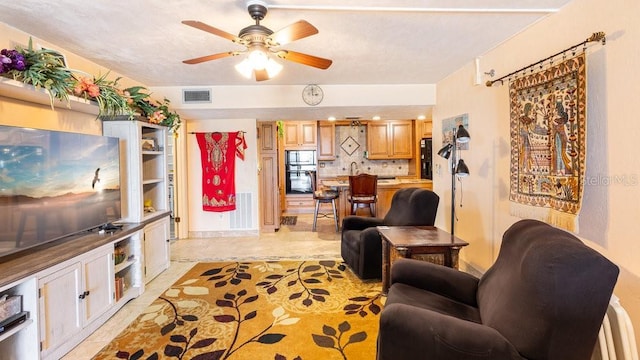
(378, 140)
(401, 146)
(308, 134)
(269, 200)
(326, 141)
(156, 248)
(300, 135)
(98, 285)
(426, 127)
(60, 306)
(291, 134)
(268, 139)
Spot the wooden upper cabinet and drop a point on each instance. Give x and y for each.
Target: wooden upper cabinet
(401, 140)
(378, 139)
(326, 140)
(267, 132)
(300, 135)
(424, 128)
(390, 139)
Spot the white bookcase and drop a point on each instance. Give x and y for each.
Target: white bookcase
(144, 167)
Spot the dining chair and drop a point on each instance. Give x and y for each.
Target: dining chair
(363, 190)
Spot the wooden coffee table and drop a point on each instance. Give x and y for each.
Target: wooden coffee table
(412, 242)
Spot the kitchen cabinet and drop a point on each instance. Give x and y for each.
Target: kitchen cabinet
(326, 141)
(299, 203)
(143, 157)
(268, 176)
(424, 128)
(300, 135)
(156, 248)
(391, 139)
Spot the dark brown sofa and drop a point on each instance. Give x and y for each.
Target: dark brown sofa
(361, 245)
(544, 298)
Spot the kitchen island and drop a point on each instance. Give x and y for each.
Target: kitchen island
(386, 189)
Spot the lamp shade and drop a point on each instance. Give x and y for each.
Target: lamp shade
(462, 170)
(446, 150)
(462, 135)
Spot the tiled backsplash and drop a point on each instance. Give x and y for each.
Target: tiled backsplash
(351, 145)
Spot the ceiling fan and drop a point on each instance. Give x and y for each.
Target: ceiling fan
(260, 43)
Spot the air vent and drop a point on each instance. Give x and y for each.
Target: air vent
(196, 96)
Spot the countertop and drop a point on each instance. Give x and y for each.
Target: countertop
(381, 182)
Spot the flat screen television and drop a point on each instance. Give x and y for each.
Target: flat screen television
(55, 184)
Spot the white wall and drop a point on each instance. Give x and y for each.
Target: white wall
(204, 223)
(610, 212)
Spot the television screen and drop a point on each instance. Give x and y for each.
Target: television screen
(54, 184)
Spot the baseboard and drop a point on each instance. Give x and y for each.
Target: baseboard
(215, 234)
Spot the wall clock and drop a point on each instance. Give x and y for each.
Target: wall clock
(312, 94)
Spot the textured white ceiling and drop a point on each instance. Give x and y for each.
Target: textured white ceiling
(145, 40)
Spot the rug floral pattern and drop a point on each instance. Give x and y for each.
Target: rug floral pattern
(282, 310)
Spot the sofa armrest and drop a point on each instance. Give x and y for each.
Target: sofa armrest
(448, 282)
(354, 222)
(408, 332)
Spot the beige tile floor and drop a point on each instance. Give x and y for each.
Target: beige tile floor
(290, 242)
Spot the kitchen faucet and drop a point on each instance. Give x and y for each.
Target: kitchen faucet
(351, 172)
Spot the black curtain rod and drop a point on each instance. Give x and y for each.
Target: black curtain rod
(597, 36)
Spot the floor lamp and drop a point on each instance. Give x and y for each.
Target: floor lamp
(457, 166)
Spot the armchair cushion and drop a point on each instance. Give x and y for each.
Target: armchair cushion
(359, 223)
(451, 283)
(361, 245)
(413, 333)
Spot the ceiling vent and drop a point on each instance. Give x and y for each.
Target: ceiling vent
(196, 96)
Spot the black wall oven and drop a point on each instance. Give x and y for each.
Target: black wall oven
(298, 165)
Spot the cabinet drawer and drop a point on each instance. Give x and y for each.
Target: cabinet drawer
(299, 203)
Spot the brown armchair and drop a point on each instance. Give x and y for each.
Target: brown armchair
(361, 245)
(544, 298)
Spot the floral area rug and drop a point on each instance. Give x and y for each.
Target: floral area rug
(277, 310)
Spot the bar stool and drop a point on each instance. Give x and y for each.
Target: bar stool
(363, 190)
(323, 196)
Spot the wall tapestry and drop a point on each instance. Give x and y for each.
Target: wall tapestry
(548, 143)
(218, 151)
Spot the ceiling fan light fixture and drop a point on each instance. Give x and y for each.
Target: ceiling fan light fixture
(273, 68)
(258, 58)
(245, 68)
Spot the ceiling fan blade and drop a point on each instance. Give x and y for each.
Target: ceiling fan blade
(293, 32)
(261, 75)
(210, 29)
(201, 59)
(304, 59)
